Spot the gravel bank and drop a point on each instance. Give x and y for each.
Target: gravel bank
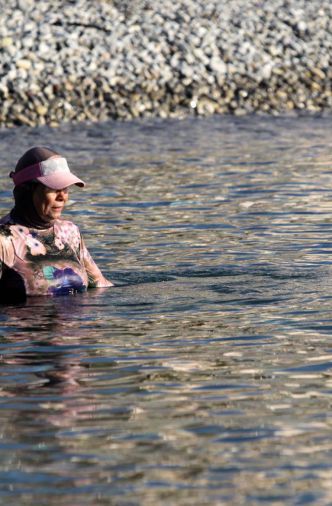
(93, 59)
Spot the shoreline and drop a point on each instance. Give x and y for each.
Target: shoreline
(73, 61)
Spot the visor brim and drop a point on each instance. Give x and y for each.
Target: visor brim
(60, 181)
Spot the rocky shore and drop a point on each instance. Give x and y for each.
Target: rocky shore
(80, 60)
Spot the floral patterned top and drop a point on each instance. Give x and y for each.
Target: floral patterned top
(54, 261)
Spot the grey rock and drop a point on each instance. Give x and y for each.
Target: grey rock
(75, 60)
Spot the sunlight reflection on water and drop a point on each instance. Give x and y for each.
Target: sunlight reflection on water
(205, 375)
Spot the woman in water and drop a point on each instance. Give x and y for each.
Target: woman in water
(40, 253)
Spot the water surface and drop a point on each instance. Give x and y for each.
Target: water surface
(205, 375)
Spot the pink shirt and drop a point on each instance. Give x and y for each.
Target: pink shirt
(54, 261)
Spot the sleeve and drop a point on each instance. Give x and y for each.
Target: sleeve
(95, 277)
(7, 252)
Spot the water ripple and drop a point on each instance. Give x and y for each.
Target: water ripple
(205, 375)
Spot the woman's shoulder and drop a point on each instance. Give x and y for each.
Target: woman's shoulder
(67, 231)
(66, 225)
(9, 227)
(7, 250)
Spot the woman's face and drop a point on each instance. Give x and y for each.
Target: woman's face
(49, 203)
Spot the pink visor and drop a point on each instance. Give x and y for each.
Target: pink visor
(53, 173)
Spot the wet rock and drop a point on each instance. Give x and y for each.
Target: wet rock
(75, 60)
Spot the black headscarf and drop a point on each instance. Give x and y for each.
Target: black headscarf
(24, 212)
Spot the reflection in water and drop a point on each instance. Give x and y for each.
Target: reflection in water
(204, 375)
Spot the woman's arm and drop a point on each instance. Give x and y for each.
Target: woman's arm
(95, 277)
(7, 253)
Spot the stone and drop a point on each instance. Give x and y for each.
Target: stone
(24, 64)
(132, 59)
(6, 42)
(41, 110)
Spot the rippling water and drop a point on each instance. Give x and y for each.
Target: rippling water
(205, 375)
